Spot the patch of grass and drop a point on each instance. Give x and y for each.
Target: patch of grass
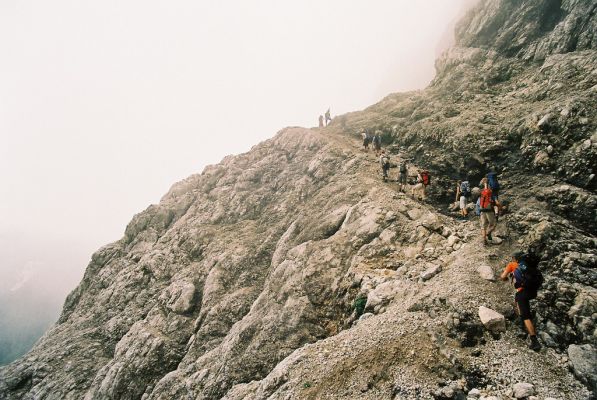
(359, 305)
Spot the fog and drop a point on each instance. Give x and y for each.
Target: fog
(105, 104)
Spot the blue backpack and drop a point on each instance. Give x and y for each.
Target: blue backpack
(527, 274)
(492, 181)
(465, 189)
(478, 207)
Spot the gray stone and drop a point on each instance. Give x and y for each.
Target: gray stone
(543, 123)
(486, 272)
(492, 320)
(430, 272)
(583, 359)
(523, 389)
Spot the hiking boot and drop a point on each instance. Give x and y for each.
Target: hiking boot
(534, 344)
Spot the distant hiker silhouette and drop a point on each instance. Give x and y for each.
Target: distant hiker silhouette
(328, 118)
(321, 121)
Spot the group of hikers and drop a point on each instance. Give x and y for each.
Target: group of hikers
(522, 270)
(328, 119)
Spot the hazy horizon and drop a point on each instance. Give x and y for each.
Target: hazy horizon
(103, 106)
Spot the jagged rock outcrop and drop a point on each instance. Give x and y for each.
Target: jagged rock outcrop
(248, 281)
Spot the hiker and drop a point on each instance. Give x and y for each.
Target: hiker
(377, 142)
(527, 279)
(365, 136)
(402, 175)
(494, 185)
(321, 121)
(384, 160)
(423, 180)
(487, 214)
(328, 118)
(463, 193)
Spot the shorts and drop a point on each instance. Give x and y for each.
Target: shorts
(462, 202)
(418, 186)
(402, 178)
(523, 299)
(487, 219)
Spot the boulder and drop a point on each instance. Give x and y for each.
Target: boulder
(492, 320)
(486, 272)
(523, 389)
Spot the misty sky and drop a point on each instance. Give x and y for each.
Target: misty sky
(105, 104)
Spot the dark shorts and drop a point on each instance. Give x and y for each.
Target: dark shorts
(402, 178)
(523, 299)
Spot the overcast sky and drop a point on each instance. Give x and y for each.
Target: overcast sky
(105, 104)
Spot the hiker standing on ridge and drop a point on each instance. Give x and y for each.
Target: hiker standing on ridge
(328, 118)
(527, 279)
(486, 204)
(463, 193)
(402, 175)
(321, 121)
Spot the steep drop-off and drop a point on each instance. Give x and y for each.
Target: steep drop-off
(244, 281)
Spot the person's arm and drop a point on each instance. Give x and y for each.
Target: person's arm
(507, 271)
(457, 193)
(504, 275)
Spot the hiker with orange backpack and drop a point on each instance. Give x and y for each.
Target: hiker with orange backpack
(527, 279)
(487, 213)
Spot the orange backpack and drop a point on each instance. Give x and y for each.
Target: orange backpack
(425, 177)
(486, 203)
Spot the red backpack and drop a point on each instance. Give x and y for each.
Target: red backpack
(486, 203)
(425, 177)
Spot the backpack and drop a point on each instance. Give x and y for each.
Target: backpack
(465, 189)
(478, 207)
(485, 202)
(425, 177)
(527, 274)
(492, 181)
(403, 167)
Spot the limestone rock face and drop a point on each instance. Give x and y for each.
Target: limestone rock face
(294, 272)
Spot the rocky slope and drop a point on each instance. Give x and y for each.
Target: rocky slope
(248, 281)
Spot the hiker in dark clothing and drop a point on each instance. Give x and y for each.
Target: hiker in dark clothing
(494, 185)
(328, 117)
(321, 121)
(402, 175)
(384, 160)
(527, 279)
(377, 142)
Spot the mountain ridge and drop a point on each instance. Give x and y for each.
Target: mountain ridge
(242, 282)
